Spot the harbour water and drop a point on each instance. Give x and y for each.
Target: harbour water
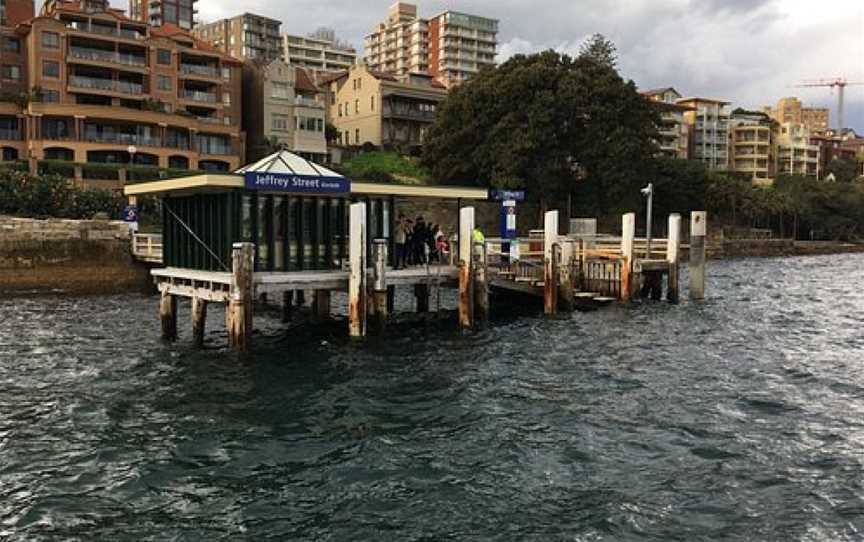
(741, 418)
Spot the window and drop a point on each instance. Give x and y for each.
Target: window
(51, 69)
(346, 109)
(10, 72)
(50, 40)
(226, 120)
(356, 106)
(320, 125)
(359, 81)
(347, 138)
(279, 123)
(12, 45)
(357, 136)
(372, 103)
(163, 56)
(164, 82)
(340, 110)
(226, 98)
(280, 90)
(50, 96)
(226, 73)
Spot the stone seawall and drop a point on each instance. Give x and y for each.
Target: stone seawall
(74, 256)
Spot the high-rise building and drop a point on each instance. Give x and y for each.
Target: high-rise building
(281, 110)
(247, 36)
(796, 153)
(753, 146)
(708, 125)
(790, 110)
(180, 13)
(451, 46)
(319, 52)
(673, 131)
(14, 12)
(382, 109)
(115, 90)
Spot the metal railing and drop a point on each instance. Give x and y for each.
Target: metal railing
(196, 69)
(6, 133)
(107, 56)
(147, 247)
(122, 139)
(198, 96)
(96, 83)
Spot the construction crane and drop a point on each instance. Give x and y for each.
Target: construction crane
(841, 85)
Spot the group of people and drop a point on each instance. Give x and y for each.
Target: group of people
(419, 243)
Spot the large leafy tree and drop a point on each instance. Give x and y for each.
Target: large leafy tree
(554, 125)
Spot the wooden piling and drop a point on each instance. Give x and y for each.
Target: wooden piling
(481, 286)
(391, 299)
(321, 305)
(379, 286)
(698, 229)
(239, 318)
(628, 233)
(199, 320)
(565, 275)
(357, 276)
(168, 316)
(550, 276)
(673, 247)
(466, 300)
(287, 305)
(421, 293)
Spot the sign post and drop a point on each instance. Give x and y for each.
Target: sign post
(508, 199)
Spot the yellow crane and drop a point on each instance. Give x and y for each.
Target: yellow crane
(840, 83)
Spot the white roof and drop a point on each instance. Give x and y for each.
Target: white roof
(288, 163)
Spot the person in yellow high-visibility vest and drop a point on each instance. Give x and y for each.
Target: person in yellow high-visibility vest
(478, 236)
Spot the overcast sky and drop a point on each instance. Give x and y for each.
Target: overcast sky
(750, 52)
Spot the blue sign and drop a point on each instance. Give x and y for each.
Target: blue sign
(503, 195)
(289, 182)
(130, 213)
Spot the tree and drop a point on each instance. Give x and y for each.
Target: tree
(600, 50)
(331, 133)
(845, 170)
(551, 124)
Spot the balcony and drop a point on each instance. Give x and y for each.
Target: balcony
(198, 96)
(215, 148)
(105, 30)
(98, 55)
(209, 120)
(408, 113)
(109, 85)
(196, 69)
(10, 134)
(116, 138)
(306, 102)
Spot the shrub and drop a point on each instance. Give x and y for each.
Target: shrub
(53, 195)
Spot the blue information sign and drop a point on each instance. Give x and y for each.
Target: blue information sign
(287, 182)
(130, 213)
(503, 195)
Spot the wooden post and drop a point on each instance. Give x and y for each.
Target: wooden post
(628, 233)
(379, 287)
(550, 276)
(287, 305)
(199, 320)
(168, 316)
(239, 317)
(698, 228)
(481, 286)
(321, 305)
(421, 293)
(357, 276)
(565, 275)
(466, 235)
(391, 299)
(673, 247)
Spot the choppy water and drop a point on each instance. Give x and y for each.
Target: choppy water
(738, 419)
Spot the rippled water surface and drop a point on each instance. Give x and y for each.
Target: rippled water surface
(738, 419)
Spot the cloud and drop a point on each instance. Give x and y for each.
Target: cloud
(747, 51)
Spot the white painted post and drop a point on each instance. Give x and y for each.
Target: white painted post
(550, 277)
(698, 229)
(628, 233)
(466, 277)
(357, 276)
(673, 246)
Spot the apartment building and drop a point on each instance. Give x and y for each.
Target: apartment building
(281, 109)
(319, 53)
(13, 77)
(791, 110)
(451, 46)
(460, 45)
(247, 36)
(115, 90)
(673, 131)
(180, 13)
(708, 125)
(752, 149)
(796, 153)
(382, 109)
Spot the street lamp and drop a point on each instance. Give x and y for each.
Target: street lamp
(648, 192)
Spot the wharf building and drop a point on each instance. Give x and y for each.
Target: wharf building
(450, 46)
(673, 132)
(99, 87)
(382, 109)
(708, 125)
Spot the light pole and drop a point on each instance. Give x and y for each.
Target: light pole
(648, 192)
